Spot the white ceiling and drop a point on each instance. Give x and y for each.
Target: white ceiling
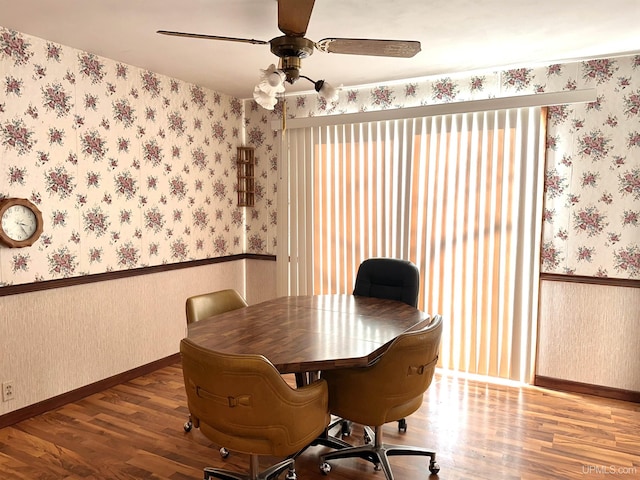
(456, 35)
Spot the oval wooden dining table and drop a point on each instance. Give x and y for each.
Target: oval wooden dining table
(301, 334)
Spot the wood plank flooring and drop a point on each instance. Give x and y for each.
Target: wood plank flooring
(479, 430)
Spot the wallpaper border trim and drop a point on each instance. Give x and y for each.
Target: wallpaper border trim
(115, 275)
(103, 277)
(613, 282)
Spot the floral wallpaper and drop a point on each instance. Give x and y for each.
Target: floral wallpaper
(592, 181)
(129, 168)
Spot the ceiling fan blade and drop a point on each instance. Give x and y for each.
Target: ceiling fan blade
(367, 46)
(294, 16)
(212, 37)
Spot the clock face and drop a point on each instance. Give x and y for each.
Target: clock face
(19, 222)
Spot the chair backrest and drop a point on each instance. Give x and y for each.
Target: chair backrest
(243, 403)
(393, 386)
(209, 304)
(390, 278)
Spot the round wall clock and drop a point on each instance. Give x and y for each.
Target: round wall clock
(20, 222)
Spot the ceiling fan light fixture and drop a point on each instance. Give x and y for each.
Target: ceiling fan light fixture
(326, 90)
(291, 68)
(276, 80)
(266, 100)
(272, 80)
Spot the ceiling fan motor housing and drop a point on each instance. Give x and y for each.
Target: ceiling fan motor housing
(291, 50)
(286, 46)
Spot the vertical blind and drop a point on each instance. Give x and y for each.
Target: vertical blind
(459, 195)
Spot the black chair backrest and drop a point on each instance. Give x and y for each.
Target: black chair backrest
(389, 278)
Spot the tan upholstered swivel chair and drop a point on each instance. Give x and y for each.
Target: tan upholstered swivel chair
(209, 304)
(206, 305)
(386, 391)
(242, 402)
(390, 278)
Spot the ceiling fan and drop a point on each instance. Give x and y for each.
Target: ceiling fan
(292, 47)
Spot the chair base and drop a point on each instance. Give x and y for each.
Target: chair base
(346, 426)
(324, 440)
(270, 473)
(378, 454)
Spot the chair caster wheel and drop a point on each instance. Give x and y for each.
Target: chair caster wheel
(366, 438)
(291, 475)
(402, 425)
(187, 426)
(224, 453)
(434, 467)
(325, 468)
(345, 428)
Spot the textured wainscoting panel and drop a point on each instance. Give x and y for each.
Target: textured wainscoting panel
(261, 280)
(54, 341)
(590, 334)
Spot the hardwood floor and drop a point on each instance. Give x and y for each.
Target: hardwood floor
(479, 431)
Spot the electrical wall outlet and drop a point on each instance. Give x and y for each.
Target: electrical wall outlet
(8, 391)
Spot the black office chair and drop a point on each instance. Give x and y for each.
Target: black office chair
(393, 279)
(389, 278)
